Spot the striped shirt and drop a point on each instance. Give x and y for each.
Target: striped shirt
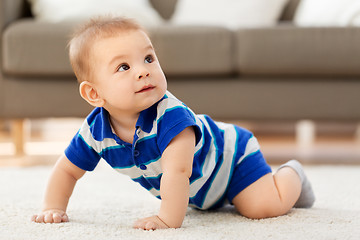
(219, 148)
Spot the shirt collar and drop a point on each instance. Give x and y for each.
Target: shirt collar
(107, 131)
(146, 118)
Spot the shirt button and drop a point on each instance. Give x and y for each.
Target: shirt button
(143, 167)
(136, 153)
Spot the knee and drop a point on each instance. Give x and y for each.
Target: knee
(260, 209)
(261, 199)
(254, 212)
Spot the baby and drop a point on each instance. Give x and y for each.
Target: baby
(143, 131)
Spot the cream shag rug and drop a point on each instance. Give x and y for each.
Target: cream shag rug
(105, 204)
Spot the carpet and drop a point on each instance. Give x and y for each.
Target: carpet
(105, 204)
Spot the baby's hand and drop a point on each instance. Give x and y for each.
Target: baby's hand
(150, 223)
(50, 216)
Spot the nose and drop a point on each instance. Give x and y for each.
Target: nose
(143, 73)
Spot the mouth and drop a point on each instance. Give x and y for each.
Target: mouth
(146, 88)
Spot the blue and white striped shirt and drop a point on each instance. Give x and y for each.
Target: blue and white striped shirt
(219, 148)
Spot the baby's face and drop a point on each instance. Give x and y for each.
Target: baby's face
(127, 73)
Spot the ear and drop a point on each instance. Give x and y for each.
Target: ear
(89, 93)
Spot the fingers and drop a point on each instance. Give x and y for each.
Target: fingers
(139, 224)
(64, 218)
(151, 226)
(58, 218)
(38, 218)
(51, 217)
(151, 223)
(146, 225)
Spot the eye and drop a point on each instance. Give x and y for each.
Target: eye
(123, 67)
(149, 59)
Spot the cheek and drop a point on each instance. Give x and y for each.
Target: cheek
(160, 76)
(117, 90)
(164, 82)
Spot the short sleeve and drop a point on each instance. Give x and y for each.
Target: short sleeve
(173, 122)
(81, 154)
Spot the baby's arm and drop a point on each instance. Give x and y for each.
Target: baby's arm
(60, 187)
(176, 163)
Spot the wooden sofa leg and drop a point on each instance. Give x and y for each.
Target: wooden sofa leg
(305, 134)
(18, 135)
(357, 134)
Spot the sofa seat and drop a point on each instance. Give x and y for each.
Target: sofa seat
(194, 50)
(42, 48)
(286, 50)
(199, 51)
(181, 50)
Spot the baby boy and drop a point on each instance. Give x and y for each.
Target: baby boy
(143, 131)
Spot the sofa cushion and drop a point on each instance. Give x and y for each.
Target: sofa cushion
(289, 50)
(37, 48)
(194, 50)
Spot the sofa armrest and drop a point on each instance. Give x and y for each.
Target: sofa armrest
(10, 10)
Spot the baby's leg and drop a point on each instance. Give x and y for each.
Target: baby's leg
(307, 197)
(271, 195)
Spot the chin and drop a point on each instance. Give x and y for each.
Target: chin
(148, 104)
(153, 98)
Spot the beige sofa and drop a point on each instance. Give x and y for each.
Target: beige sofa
(274, 73)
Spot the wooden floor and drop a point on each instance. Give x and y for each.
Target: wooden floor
(334, 143)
